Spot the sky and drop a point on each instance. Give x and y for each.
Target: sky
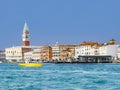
(62, 21)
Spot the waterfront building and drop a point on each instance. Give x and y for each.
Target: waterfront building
(55, 52)
(63, 51)
(2, 56)
(111, 50)
(34, 55)
(28, 55)
(87, 48)
(67, 53)
(94, 52)
(118, 54)
(17, 53)
(46, 53)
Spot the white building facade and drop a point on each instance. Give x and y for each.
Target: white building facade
(18, 53)
(111, 50)
(34, 54)
(55, 52)
(86, 49)
(118, 54)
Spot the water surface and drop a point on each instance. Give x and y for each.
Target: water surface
(103, 76)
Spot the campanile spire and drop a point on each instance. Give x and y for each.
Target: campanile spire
(25, 36)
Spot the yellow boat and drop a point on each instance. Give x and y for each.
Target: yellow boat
(31, 64)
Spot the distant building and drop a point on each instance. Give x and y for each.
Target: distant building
(2, 56)
(63, 51)
(87, 48)
(67, 53)
(17, 53)
(55, 52)
(34, 54)
(111, 50)
(28, 55)
(94, 48)
(46, 53)
(118, 54)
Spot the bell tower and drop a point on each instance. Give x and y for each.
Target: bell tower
(25, 36)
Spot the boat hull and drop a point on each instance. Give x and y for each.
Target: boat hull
(31, 64)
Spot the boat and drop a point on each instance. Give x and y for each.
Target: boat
(31, 64)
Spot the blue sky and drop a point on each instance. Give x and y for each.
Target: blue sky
(63, 21)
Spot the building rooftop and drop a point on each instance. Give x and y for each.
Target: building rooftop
(25, 47)
(90, 43)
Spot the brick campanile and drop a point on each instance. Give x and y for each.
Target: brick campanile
(25, 36)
